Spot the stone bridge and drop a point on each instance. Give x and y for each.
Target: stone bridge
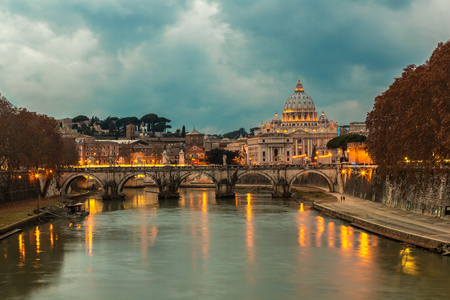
(168, 178)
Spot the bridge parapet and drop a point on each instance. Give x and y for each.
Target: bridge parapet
(169, 178)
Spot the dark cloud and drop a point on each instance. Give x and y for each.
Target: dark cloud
(218, 65)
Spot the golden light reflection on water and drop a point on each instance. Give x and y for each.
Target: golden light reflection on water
(408, 262)
(250, 229)
(38, 240)
(320, 230)
(250, 240)
(346, 238)
(92, 205)
(205, 228)
(51, 236)
(21, 248)
(364, 249)
(303, 234)
(331, 234)
(89, 236)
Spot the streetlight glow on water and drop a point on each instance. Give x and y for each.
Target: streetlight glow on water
(199, 247)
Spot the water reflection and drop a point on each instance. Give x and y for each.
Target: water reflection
(262, 248)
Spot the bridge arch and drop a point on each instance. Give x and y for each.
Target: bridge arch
(323, 175)
(264, 174)
(199, 172)
(67, 181)
(128, 176)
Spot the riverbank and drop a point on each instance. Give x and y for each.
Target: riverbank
(17, 215)
(420, 230)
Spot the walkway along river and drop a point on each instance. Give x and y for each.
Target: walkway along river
(250, 247)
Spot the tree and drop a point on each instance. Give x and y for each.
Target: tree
(242, 132)
(79, 119)
(109, 124)
(183, 131)
(411, 120)
(215, 156)
(150, 119)
(342, 141)
(69, 154)
(232, 135)
(252, 130)
(94, 120)
(121, 124)
(161, 124)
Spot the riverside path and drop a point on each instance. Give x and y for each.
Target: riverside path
(420, 230)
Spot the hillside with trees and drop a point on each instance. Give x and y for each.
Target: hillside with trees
(116, 127)
(410, 122)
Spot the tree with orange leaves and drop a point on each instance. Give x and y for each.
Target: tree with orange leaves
(410, 122)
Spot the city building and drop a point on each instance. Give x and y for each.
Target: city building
(358, 128)
(195, 153)
(270, 149)
(357, 154)
(309, 132)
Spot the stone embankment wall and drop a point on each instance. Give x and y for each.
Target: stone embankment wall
(16, 187)
(415, 191)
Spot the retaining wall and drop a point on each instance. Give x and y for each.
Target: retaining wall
(412, 191)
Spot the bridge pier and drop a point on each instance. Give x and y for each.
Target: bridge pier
(224, 189)
(168, 191)
(281, 188)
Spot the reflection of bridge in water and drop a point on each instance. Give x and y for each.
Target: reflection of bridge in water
(168, 178)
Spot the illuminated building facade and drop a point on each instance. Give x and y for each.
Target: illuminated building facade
(270, 149)
(310, 132)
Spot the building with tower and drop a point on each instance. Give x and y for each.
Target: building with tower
(195, 153)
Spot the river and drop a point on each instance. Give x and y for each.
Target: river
(250, 247)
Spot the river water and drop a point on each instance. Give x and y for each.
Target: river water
(251, 247)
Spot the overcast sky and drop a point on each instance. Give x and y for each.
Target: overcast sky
(216, 65)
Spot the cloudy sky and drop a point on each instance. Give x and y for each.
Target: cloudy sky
(217, 65)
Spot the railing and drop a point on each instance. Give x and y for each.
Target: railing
(94, 168)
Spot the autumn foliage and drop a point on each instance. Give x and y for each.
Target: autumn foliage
(29, 140)
(410, 122)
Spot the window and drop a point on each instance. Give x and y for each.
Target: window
(264, 153)
(287, 153)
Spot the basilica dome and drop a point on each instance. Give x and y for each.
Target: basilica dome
(299, 101)
(276, 120)
(323, 118)
(299, 107)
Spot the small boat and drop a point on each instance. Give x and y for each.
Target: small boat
(74, 211)
(69, 211)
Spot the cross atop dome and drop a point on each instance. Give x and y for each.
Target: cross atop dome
(299, 86)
